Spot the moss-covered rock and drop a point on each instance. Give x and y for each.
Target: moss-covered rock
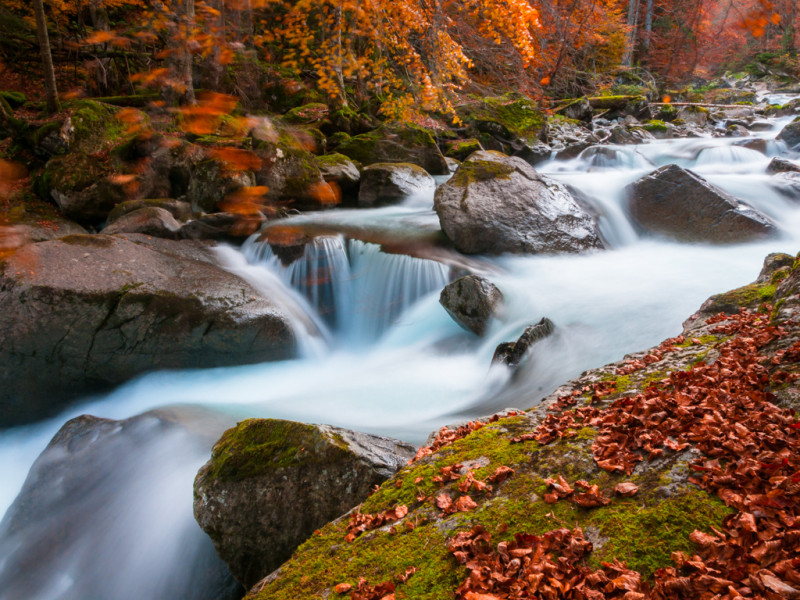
(279, 480)
(307, 114)
(396, 142)
(14, 99)
(95, 126)
(461, 149)
(519, 116)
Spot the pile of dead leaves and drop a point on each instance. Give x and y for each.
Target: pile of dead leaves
(360, 522)
(447, 436)
(533, 566)
(751, 460)
(382, 591)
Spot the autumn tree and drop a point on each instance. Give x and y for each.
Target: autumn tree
(51, 90)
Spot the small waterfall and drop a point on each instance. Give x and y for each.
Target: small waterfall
(354, 286)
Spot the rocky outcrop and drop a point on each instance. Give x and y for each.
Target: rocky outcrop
(781, 165)
(472, 301)
(98, 500)
(395, 143)
(511, 354)
(791, 133)
(390, 183)
(270, 484)
(341, 171)
(84, 313)
(496, 204)
(677, 203)
(624, 463)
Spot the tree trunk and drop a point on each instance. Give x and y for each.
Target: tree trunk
(47, 60)
(648, 24)
(633, 18)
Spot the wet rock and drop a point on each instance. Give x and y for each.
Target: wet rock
(390, 183)
(84, 313)
(393, 143)
(495, 204)
(269, 484)
(677, 203)
(101, 499)
(511, 354)
(697, 115)
(221, 226)
(782, 165)
(791, 134)
(293, 178)
(757, 144)
(150, 220)
(211, 183)
(580, 110)
(472, 301)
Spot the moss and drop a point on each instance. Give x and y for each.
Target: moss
(461, 149)
(655, 125)
(260, 446)
(480, 170)
(96, 126)
(704, 340)
(747, 296)
(333, 160)
(73, 172)
(518, 114)
(313, 112)
(338, 138)
(14, 99)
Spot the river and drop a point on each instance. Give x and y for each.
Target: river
(379, 354)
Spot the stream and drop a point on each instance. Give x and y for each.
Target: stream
(379, 354)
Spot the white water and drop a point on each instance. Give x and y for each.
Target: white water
(379, 354)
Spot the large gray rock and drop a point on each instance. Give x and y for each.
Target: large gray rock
(390, 183)
(104, 513)
(340, 170)
(85, 312)
(472, 301)
(496, 203)
(791, 133)
(270, 484)
(150, 220)
(680, 204)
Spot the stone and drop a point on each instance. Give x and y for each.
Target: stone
(391, 183)
(84, 313)
(680, 204)
(340, 170)
(180, 210)
(511, 354)
(211, 183)
(472, 301)
(782, 165)
(270, 484)
(791, 133)
(221, 226)
(110, 496)
(461, 149)
(150, 220)
(395, 143)
(495, 204)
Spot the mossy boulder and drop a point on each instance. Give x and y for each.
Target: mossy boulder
(211, 182)
(95, 311)
(179, 209)
(518, 115)
(293, 178)
(269, 484)
(396, 142)
(680, 204)
(14, 99)
(391, 183)
(461, 149)
(340, 170)
(95, 126)
(695, 114)
(645, 531)
(307, 114)
(497, 204)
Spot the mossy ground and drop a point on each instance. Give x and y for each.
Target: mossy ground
(519, 115)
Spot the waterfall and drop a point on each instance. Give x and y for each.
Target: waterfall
(359, 290)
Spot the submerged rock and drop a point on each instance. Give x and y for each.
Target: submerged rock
(84, 313)
(496, 204)
(271, 483)
(472, 301)
(103, 514)
(390, 183)
(677, 203)
(511, 354)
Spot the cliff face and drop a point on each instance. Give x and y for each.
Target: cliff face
(669, 474)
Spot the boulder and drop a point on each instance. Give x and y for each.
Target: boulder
(495, 204)
(292, 176)
(697, 115)
(109, 498)
(677, 203)
(461, 149)
(791, 133)
(270, 484)
(390, 183)
(580, 110)
(781, 165)
(511, 354)
(150, 220)
(341, 171)
(472, 301)
(396, 143)
(221, 226)
(83, 313)
(211, 183)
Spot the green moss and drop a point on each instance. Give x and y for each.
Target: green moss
(14, 99)
(518, 114)
(96, 126)
(307, 113)
(747, 296)
(333, 160)
(655, 125)
(480, 170)
(73, 172)
(260, 446)
(704, 339)
(461, 149)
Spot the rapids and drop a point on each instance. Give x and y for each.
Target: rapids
(379, 354)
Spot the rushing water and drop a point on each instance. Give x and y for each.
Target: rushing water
(379, 354)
